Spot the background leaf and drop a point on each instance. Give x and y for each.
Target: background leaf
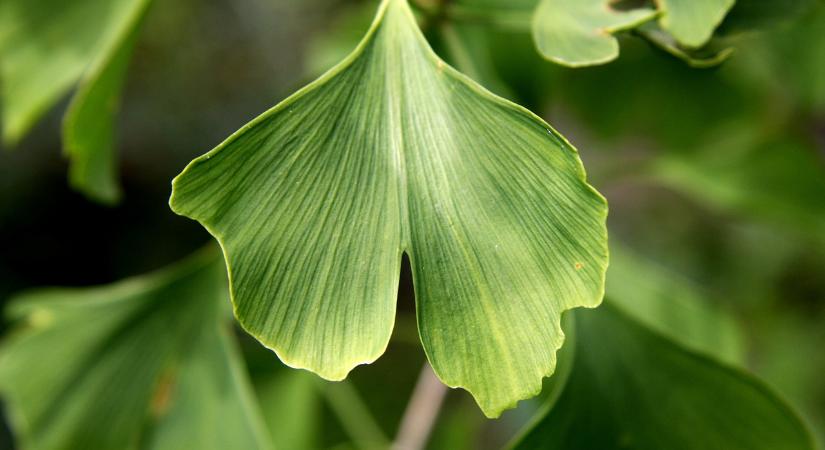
(144, 362)
(631, 388)
(671, 305)
(46, 46)
(749, 15)
(89, 124)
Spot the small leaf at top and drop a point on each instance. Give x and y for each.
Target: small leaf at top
(393, 152)
(631, 388)
(580, 32)
(691, 22)
(148, 362)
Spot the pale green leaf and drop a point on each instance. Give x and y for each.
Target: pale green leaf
(146, 362)
(394, 152)
(691, 22)
(88, 127)
(580, 32)
(46, 46)
(631, 388)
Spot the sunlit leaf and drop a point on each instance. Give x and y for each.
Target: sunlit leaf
(148, 361)
(579, 32)
(394, 152)
(46, 46)
(631, 388)
(691, 22)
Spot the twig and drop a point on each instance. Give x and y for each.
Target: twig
(421, 412)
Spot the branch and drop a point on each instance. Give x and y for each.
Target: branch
(421, 412)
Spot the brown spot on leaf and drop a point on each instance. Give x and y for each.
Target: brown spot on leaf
(162, 395)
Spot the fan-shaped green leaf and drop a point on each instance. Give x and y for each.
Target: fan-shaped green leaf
(394, 152)
(633, 389)
(691, 22)
(579, 32)
(146, 362)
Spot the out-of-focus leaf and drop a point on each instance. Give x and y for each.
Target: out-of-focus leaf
(144, 362)
(89, 128)
(291, 407)
(670, 305)
(788, 60)
(337, 40)
(632, 388)
(469, 52)
(702, 58)
(497, 5)
(748, 15)
(45, 47)
(775, 178)
(513, 15)
(691, 22)
(394, 151)
(578, 33)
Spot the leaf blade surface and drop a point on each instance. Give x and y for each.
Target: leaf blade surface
(394, 151)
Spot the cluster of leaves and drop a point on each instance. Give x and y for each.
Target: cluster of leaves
(583, 33)
(391, 152)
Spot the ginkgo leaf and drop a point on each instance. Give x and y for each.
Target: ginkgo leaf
(393, 152)
(691, 22)
(46, 46)
(146, 362)
(580, 32)
(631, 388)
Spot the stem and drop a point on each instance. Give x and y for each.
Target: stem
(421, 412)
(354, 416)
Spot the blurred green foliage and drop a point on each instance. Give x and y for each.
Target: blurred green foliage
(714, 177)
